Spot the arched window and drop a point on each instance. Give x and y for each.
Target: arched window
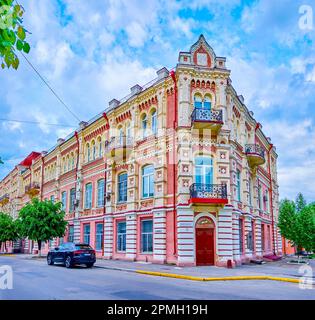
(100, 150)
(128, 132)
(64, 165)
(100, 192)
(122, 187)
(207, 102)
(121, 136)
(72, 160)
(148, 181)
(203, 170)
(154, 122)
(144, 125)
(198, 101)
(69, 163)
(93, 150)
(88, 153)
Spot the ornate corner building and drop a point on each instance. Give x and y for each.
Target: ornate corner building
(179, 171)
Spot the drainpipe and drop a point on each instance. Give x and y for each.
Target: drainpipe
(105, 168)
(173, 75)
(271, 201)
(77, 163)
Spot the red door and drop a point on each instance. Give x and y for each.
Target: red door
(204, 246)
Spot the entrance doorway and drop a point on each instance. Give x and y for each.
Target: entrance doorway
(205, 233)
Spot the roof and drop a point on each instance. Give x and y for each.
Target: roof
(29, 159)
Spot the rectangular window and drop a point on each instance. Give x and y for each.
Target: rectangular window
(88, 196)
(238, 185)
(259, 196)
(86, 233)
(241, 236)
(64, 200)
(71, 234)
(72, 200)
(100, 192)
(52, 199)
(121, 236)
(99, 236)
(148, 181)
(147, 236)
(262, 237)
(122, 187)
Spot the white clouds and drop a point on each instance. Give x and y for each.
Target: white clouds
(136, 34)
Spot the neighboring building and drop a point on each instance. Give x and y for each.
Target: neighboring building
(131, 195)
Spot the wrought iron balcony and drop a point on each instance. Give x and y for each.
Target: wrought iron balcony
(255, 154)
(118, 146)
(205, 118)
(4, 199)
(32, 189)
(208, 193)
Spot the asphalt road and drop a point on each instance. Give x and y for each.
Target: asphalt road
(34, 279)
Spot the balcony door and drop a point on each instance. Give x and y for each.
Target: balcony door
(203, 170)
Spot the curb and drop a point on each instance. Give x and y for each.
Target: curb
(179, 276)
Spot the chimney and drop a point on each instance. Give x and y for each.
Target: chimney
(162, 73)
(114, 103)
(60, 141)
(83, 124)
(136, 89)
(241, 98)
(43, 153)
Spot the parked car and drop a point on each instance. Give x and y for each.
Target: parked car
(71, 254)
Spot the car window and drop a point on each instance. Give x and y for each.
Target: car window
(68, 246)
(82, 247)
(61, 247)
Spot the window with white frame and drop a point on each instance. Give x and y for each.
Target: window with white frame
(121, 236)
(64, 200)
(148, 181)
(86, 233)
(72, 200)
(88, 153)
(146, 236)
(203, 170)
(100, 149)
(154, 122)
(93, 150)
(238, 185)
(99, 236)
(100, 192)
(207, 102)
(122, 187)
(88, 196)
(144, 122)
(71, 234)
(198, 101)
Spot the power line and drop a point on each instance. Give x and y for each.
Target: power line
(50, 88)
(37, 122)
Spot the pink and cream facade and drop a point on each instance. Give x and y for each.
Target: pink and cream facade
(179, 171)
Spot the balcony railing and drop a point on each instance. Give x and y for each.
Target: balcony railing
(255, 154)
(4, 199)
(32, 188)
(206, 115)
(118, 142)
(212, 192)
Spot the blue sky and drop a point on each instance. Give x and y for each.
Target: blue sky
(93, 51)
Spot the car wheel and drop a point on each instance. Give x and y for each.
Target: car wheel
(68, 262)
(89, 265)
(50, 260)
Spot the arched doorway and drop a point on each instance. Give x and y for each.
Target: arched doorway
(205, 233)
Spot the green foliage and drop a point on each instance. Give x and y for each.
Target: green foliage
(300, 202)
(297, 222)
(12, 34)
(8, 228)
(42, 221)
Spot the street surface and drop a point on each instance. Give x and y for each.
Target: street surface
(34, 279)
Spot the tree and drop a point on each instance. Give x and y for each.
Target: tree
(42, 221)
(8, 229)
(12, 33)
(300, 202)
(306, 225)
(287, 220)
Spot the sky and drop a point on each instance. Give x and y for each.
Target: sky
(93, 51)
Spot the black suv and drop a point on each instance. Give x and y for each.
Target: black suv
(70, 254)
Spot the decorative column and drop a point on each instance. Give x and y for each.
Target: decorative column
(159, 236)
(131, 236)
(185, 237)
(258, 244)
(225, 241)
(108, 237)
(236, 237)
